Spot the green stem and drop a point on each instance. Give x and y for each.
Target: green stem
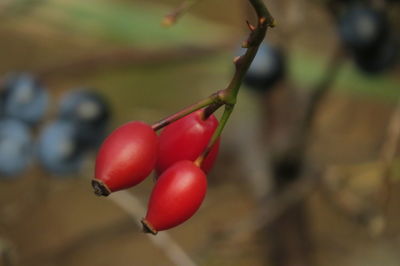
(242, 64)
(252, 44)
(228, 96)
(224, 119)
(213, 98)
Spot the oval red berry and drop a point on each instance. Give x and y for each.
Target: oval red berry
(176, 196)
(127, 156)
(186, 139)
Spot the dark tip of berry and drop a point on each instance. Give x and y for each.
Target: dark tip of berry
(147, 228)
(100, 189)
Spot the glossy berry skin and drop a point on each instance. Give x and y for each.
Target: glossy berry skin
(25, 98)
(176, 196)
(59, 150)
(89, 111)
(15, 147)
(186, 139)
(267, 68)
(127, 156)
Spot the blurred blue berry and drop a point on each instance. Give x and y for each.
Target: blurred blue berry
(362, 28)
(25, 99)
(267, 68)
(89, 111)
(15, 147)
(59, 150)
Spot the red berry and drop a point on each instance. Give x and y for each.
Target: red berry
(125, 158)
(186, 139)
(176, 196)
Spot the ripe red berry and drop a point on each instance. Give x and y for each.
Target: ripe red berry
(186, 139)
(125, 158)
(176, 196)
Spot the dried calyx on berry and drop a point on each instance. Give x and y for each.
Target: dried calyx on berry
(126, 158)
(176, 197)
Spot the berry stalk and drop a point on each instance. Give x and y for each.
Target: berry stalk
(227, 96)
(242, 64)
(212, 99)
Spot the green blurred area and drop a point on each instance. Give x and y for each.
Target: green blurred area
(37, 35)
(99, 24)
(134, 24)
(306, 68)
(58, 32)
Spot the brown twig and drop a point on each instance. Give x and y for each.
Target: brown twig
(323, 86)
(227, 96)
(60, 255)
(389, 147)
(288, 163)
(132, 206)
(7, 253)
(388, 152)
(172, 17)
(277, 204)
(386, 159)
(271, 209)
(301, 140)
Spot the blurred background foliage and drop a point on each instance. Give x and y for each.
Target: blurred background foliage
(119, 49)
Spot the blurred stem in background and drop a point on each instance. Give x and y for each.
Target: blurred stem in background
(7, 253)
(288, 119)
(290, 232)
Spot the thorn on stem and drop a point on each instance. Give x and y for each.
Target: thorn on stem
(250, 26)
(236, 59)
(272, 24)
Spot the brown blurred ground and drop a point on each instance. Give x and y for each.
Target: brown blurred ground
(60, 222)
